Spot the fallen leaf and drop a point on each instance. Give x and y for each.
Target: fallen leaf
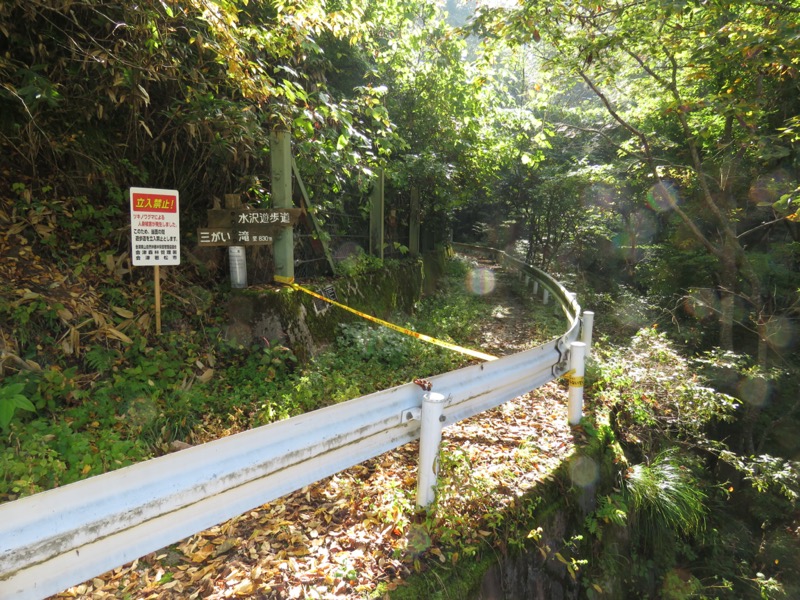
(122, 312)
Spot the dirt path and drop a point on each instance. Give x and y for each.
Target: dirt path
(345, 535)
(516, 322)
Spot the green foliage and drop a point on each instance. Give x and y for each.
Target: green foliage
(666, 497)
(44, 454)
(12, 399)
(667, 100)
(368, 357)
(691, 503)
(102, 359)
(31, 316)
(147, 93)
(656, 396)
(375, 344)
(358, 263)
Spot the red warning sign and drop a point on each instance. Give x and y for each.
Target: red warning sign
(155, 227)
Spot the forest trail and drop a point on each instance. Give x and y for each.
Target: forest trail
(348, 534)
(515, 324)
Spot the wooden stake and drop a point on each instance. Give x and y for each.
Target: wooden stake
(157, 275)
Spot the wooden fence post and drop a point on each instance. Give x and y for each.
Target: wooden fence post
(413, 223)
(376, 217)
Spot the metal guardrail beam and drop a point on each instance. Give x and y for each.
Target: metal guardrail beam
(55, 539)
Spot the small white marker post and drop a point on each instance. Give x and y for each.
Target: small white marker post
(577, 353)
(586, 331)
(430, 438)
(155, 234)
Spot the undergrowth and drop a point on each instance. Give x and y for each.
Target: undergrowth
(117, 402)
(690, 516)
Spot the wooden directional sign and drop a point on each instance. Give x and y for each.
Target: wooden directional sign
(239, 227)
(226, 236)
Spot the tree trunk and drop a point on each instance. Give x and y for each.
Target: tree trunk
(727, 290)
(727, 306)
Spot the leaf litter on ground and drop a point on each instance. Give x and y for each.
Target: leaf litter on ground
(346, 535)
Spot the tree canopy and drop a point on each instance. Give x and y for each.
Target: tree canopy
(665, 132)
(645, 151)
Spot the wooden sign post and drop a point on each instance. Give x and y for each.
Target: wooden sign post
(233, 227)
(155, 234)
(280, 150)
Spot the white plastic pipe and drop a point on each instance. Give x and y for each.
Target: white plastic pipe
(577, 354)
(238, 266)
(430, 438)
(586, 331)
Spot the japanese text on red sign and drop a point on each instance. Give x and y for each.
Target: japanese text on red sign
(155, 227)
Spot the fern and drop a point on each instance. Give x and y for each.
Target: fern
(100, 358)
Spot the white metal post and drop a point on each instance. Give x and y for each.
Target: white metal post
(535, 287)
(430, 437)
(546, 296)
(237, 263)
(577, 353)
(586, 331)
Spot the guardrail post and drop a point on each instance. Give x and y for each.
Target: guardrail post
(577, 353)
(546, 296)
(587, 324)
(535, 287)
(430, 437)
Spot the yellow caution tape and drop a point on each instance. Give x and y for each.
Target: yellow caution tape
(574, 380)
(282, 279)
(419, 336)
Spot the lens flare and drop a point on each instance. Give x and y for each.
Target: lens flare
(584, 471)
(418, 539)
(701, 304)
(767, 189)
(601, 195)
(346, 250)
(644, 226)
(662, 197)
(141, 412)
(781, 332)
(631, 314)
(480, 281)
(754, 391)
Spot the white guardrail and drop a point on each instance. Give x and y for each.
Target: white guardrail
(62, 537)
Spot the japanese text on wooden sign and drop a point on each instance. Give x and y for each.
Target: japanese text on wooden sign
(251, 227)
(320, 306)
(155, 227)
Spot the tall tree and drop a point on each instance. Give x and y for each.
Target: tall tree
(97, 95)
(696, 93)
